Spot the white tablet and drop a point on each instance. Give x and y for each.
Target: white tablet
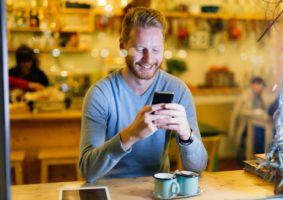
(86, 193)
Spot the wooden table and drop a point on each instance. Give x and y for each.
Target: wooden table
(229, 185)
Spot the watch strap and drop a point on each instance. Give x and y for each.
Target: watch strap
(188, 141)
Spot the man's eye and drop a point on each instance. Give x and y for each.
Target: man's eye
(156, 50)
(139, 49)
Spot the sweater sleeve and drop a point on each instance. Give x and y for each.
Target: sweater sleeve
(18, 83)
(97, 156)
(194, 155)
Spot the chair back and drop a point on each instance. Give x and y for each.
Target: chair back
(211, 144)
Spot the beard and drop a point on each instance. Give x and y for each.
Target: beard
(139, 74)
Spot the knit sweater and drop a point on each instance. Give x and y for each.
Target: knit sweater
(111, 105)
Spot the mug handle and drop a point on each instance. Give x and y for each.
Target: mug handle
(175, 189)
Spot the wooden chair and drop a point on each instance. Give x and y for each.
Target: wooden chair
(211, 144)
(17, 157)
(58, 156)
(264, 122)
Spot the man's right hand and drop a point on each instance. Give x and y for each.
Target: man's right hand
(142, 127)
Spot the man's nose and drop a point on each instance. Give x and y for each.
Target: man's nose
(147, 56)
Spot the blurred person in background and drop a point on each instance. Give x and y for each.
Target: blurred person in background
(252, 100)
(27, 67)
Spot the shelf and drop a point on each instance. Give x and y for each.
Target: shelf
(213, 16)
(115, 13)
(93, 11)
(38, 30)
(27, 29)
(168, 14)
(62, 49)
(216, 91)
(177, 14)
(75, 10)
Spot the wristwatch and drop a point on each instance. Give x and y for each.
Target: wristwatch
(188, 141)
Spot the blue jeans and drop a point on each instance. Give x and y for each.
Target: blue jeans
(259, 141)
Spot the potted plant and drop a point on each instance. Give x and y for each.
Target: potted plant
(176, 66)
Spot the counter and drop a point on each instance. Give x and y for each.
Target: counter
(207, 96)
(229, 185)
(32, 131)
(62, 115)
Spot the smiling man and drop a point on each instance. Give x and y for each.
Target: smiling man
(123, 135)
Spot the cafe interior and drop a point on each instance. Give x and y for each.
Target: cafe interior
(221, 49)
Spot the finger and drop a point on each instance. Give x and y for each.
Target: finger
(152, 108)
(172, 113)
(170, 121)
(169, 127)
(174, 106)
(158, 117)
(159, 106)
(149, 118)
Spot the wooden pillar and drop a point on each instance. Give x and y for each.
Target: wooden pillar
(279, 53)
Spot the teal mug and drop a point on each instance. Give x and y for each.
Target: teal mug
(188, 182)
(165, 186)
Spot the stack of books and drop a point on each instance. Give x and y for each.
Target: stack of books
(251, 165)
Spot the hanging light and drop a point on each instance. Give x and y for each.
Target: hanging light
(168, 54)
(108, 8)
(124, 3)
(101, 2)
(45, 3)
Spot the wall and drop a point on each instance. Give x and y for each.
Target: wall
(245, 58)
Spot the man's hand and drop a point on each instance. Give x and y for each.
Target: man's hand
(143, 126)
(176, 121)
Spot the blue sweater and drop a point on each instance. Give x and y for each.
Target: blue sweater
(111, 105)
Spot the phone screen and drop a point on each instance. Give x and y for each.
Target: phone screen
(162, 97)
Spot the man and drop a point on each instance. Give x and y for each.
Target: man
(123, 135)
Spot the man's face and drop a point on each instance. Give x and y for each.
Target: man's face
(145, 52)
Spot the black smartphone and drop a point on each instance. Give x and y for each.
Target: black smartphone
(162, 97)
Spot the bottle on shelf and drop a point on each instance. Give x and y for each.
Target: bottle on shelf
(34, 19)
(20, 18)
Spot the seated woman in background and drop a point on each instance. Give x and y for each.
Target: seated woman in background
(27, 67)
(253, 99)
